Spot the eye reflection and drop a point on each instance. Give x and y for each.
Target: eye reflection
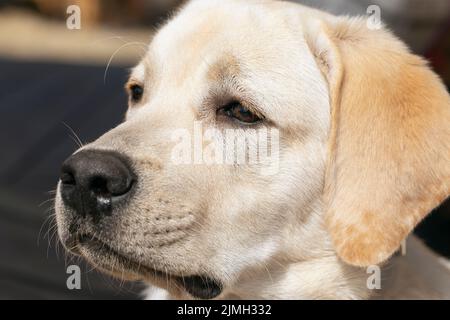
(136, 92)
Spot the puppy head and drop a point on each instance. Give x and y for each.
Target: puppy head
(151, 199)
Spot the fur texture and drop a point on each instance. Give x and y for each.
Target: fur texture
(364, 155)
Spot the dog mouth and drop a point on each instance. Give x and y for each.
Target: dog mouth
(103, 256)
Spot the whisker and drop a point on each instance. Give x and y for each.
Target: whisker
(121, 38)
(75, 137)
(89, 284)
(48, 219)
(134, 43)
(45, 201)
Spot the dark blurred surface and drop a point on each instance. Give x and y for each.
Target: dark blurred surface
(435, 229)
(36, 101)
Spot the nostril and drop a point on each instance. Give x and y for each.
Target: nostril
(120, 188)
(110, 186)
(67, 178)
(99, 186)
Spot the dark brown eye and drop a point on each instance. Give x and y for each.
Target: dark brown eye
(237, 111)
(136, 92)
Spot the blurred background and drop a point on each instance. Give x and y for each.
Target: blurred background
(56, 83)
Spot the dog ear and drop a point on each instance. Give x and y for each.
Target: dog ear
(389, 145)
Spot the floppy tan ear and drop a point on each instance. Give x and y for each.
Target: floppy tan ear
(389, 156)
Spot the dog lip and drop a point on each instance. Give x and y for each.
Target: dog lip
(198, 286)
(202, 287)
(99, 246)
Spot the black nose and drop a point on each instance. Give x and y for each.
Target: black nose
(93, 181)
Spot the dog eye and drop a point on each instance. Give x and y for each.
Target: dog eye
(237, 111)
(136, 92)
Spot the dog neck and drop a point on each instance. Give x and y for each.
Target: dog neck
(323, 278)
(417, 273)
(307, 268)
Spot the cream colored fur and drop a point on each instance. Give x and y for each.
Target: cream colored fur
(364, 156)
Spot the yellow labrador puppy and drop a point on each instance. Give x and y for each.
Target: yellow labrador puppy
(353, 150)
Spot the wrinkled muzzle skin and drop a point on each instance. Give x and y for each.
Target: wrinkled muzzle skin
(208, 230)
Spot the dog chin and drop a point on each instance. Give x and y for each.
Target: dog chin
(110, 261)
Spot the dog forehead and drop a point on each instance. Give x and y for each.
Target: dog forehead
(256, 34)
(208, 28)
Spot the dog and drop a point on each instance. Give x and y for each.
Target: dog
(363, 131)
